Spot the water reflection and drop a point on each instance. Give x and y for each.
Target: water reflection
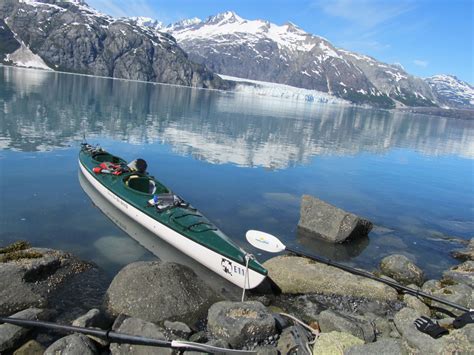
(44, 110)
(122, 250)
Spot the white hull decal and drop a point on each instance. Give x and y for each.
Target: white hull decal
(226, 268)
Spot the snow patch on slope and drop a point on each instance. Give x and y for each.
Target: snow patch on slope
(24, 57)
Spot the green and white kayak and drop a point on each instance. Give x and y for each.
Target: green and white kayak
(154, 206)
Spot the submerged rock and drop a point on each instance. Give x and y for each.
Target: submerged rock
(74, 344)
(237, 322)
(157, 291)
(400, 268)
(33, 282)
(301, 275)
(465, 254)
(330, 223)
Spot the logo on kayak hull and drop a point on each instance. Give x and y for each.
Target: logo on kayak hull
(227, 266)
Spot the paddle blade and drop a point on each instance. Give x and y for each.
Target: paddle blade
(264, 241)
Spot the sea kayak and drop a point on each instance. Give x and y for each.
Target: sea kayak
(153, 205)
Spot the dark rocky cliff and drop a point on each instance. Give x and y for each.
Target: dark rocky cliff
(70, 36)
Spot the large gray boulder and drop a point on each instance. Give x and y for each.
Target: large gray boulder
(358, 326)
(297, 275)
(237, 322)
(11, 335)
(157, 291)
(139, 327)
(74, 344)
(400, 268)
(330, 223)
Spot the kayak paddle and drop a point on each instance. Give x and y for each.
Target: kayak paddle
(272, 244)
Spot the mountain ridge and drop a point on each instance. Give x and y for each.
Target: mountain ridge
(73, 37)
(69, 35)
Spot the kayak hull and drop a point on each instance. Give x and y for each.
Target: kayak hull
(231, 270)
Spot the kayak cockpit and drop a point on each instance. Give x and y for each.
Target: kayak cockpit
(103, 157)
(144, 184)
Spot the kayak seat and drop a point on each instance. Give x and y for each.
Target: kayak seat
(141, 184)
(145, 184)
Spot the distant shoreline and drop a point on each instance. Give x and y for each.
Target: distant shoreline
(455, 113)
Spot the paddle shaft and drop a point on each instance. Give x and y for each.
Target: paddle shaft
(115, 337)
(373, 277)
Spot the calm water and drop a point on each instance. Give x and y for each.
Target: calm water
(244, 161)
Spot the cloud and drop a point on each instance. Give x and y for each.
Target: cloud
(365, 13)
(420, 63)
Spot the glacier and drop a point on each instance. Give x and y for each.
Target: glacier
(282, 91)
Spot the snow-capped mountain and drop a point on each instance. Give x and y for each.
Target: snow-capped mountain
(286, 54)
(146, 22)
(452, 92)
(68, 35)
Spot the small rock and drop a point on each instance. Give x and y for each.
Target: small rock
(382, 325)
(465, 254)
(157, 291)
(330, 223)
(290, 339)
(135, 326)
(198, 337)
(74, 344)
(31, 347)
(93, 318)
(178, 328)
(11, 336)
(380, 347)
(463, 273)
(401, 269)
(236, 322)
(446, 322)
(220, 343)
(355, 325)
(417, 304)
(335, 343)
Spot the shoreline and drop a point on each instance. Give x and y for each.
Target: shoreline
(348, 306)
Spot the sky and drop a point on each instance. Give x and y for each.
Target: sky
(426, 37)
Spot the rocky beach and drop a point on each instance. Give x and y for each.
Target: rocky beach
(343, 313)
